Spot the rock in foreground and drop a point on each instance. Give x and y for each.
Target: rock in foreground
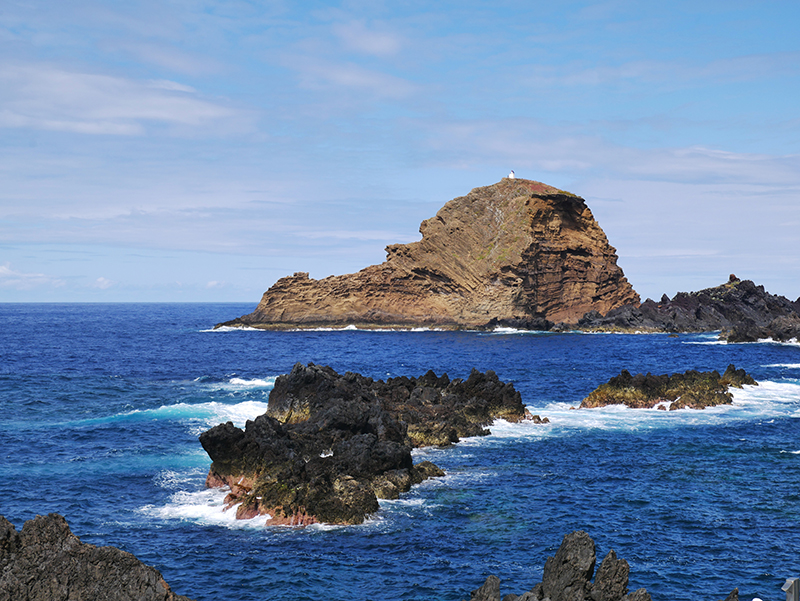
(46, 562)
(330, 445)
(568, 577)
(689, 390)
(517, 253)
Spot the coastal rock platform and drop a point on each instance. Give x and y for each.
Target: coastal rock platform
(330, 445)
(517, 253)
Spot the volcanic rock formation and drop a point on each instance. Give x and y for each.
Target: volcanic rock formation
(742, 311)
(330, 445)
(690, 390)
(518, 253)
(46, 562)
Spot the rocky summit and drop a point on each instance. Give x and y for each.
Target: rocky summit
(330, 445)
(517, 253)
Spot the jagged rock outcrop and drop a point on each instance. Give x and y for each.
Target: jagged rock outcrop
(743, 312)
(689, 390)
(330, 445)
(568, 577)
(46, 562)
(516, 253)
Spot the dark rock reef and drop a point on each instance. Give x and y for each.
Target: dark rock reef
(743, 312)
(517, 253)
(568, 577)
(689, 390)
(330, 445)
(46, 562)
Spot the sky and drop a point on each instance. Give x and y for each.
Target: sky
(179, 150)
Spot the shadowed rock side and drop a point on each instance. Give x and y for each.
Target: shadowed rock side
(568, 577)
(689, 390)
(516, 253)
(330, 445)
(743, 312)
(46, 562)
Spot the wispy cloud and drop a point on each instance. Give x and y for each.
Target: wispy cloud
(322, 74)
(44, 97)
(357, 36)
(18, 280)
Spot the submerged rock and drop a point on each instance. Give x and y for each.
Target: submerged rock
(517, 253)
(692, 390)
(330, 445)
(46, 562)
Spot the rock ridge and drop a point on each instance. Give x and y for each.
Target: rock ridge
(739, 309)
(518, 253)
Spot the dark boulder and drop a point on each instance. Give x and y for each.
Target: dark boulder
(46, 562)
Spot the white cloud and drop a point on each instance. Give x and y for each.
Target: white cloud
(17, 280)
(103, 283)
(44, 97)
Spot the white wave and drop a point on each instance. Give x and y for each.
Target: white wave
(786, 365)
(505, 330)
(254, 383)
(353, 328)
(199, 417)
(234, 329)
(205, 507)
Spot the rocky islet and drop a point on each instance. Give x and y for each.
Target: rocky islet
(517, 253)
(330, 445)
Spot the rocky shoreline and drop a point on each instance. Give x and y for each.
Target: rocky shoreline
(330, 445)
(689, 390)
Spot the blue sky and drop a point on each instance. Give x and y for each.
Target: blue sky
(198, 151)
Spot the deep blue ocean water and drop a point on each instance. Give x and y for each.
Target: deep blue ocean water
(101, 406)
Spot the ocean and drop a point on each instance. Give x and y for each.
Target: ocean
(102, 405)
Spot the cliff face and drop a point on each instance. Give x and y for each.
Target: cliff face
(518, 252)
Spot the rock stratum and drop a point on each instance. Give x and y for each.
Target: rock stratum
(330, 445)
(739, 309)
(46, 562)
(689, 390)
(517, 253)
(568, 577)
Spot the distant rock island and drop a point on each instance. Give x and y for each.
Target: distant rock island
(517, 253)
(331, 445)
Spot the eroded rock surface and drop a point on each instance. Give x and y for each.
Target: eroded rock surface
(692, 389)
(330, 445)
(518, 253)
(46, 562)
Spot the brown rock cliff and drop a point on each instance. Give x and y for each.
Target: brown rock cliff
(517, 252)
